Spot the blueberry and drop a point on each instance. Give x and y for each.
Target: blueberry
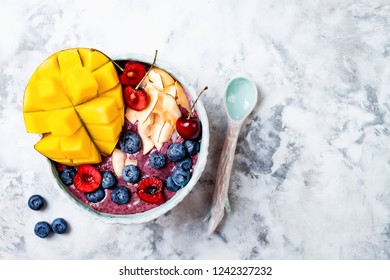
(157, 160)
(36, 202)
(109, 179)
(192, 147)
(42, 229)
(170, 185)
(181, 177)
(185, 163)
(96, 196)
(67, 175)
(130, 173)
(130, 142)
(176, 152)
(120, 195)
(59, 226)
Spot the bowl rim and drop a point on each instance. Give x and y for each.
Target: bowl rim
(153, 213)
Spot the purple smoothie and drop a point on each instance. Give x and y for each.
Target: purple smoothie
(135, 205)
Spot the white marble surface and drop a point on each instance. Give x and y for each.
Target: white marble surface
(311, 178)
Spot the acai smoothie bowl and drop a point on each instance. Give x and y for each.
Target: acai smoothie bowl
(125, 139)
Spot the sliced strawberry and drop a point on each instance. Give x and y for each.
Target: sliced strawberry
(150, 190)
(132, 74)
(135, 99)
(87, 178)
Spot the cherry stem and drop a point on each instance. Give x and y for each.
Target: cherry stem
(147, 73)
(196, 100)
(116, 64)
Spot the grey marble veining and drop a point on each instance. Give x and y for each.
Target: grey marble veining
(311, 177)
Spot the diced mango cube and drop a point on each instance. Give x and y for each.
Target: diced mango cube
(106, 77)
(69, 59)
(105, 132)
(116, 93)
(50, 146)
(31, 98)
(65, 161)
(92, 59)
(81, 85)
(76, 145)
(50, 67)
(52, 94)
(36, 122)
(100, 110)
(106, 147)
(64, 122)
(94, 157)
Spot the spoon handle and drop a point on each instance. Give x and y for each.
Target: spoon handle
(220, 197)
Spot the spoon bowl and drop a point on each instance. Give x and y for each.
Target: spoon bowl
(240, 100)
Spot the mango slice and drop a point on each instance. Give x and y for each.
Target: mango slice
(64, 122)
(36, 122)
(81, 85)
(92, 59)
(106, 77)
(74, 99)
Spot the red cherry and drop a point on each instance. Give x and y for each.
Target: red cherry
(150, 190)
(188, 128)
(87, 178)
(136, 99)
(132, 74)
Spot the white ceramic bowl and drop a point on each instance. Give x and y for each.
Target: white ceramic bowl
(180, 194)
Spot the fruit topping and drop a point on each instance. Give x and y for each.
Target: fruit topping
(96, 196)
(189, 127)
(176, 152)
(121, 195)
(87, 178)
(170, 185)
(71, 98)
(118, 159)
(130, 173)
(59, 225)
(67, 175)
(157, 160)
(42, 229)
(181, 177)
(109, 179)
(150, 190)
(192, 147)
(185, 163)
(36, 202)
(132, 74)
(130, 142)
(136, 99)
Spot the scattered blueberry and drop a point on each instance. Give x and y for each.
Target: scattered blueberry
(42, 229)
(130, 143)
(181, 177)
(176, 152)
(192, 147)
(130, 173)
(67, 175)
(170, 185)
(120, 195)
(185, 163)
(96, 196)
(59, 226)
(157, 160)
(109, 179)
(36, 202)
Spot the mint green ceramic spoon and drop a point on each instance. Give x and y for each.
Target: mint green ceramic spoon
(240, 99)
